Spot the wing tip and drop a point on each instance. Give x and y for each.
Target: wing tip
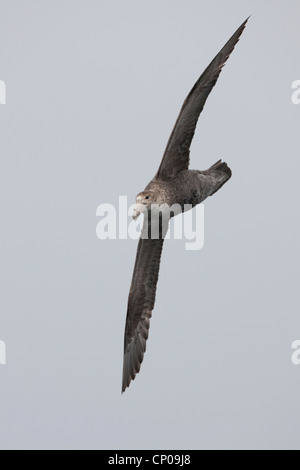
(131, 364)
(126, 383)
(240, 29)
(243, 25)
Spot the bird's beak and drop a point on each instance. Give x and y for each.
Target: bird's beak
(138, 208)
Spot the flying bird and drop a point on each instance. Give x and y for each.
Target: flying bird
(173, 184)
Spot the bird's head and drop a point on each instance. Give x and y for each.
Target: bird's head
(143, 202)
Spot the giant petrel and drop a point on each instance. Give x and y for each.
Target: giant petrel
(173, 184)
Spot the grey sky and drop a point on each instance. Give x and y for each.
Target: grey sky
(93, 91)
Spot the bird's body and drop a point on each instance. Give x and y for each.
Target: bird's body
(173, 185)
(190, 187)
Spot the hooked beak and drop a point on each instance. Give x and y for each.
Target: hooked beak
(138, 208)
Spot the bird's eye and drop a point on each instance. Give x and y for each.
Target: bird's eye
(147, 197)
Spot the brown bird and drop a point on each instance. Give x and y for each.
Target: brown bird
(173, 184)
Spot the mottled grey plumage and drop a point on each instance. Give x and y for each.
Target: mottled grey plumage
(172, 184)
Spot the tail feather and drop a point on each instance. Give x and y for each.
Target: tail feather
(221, 173)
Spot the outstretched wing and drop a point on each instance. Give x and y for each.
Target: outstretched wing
(140, 305)
(177, 154)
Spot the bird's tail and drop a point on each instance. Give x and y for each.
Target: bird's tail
(220, 173)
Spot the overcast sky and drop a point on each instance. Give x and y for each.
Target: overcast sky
(93, 91)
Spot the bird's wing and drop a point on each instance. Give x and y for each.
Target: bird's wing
(140, 305)
(177, 153)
